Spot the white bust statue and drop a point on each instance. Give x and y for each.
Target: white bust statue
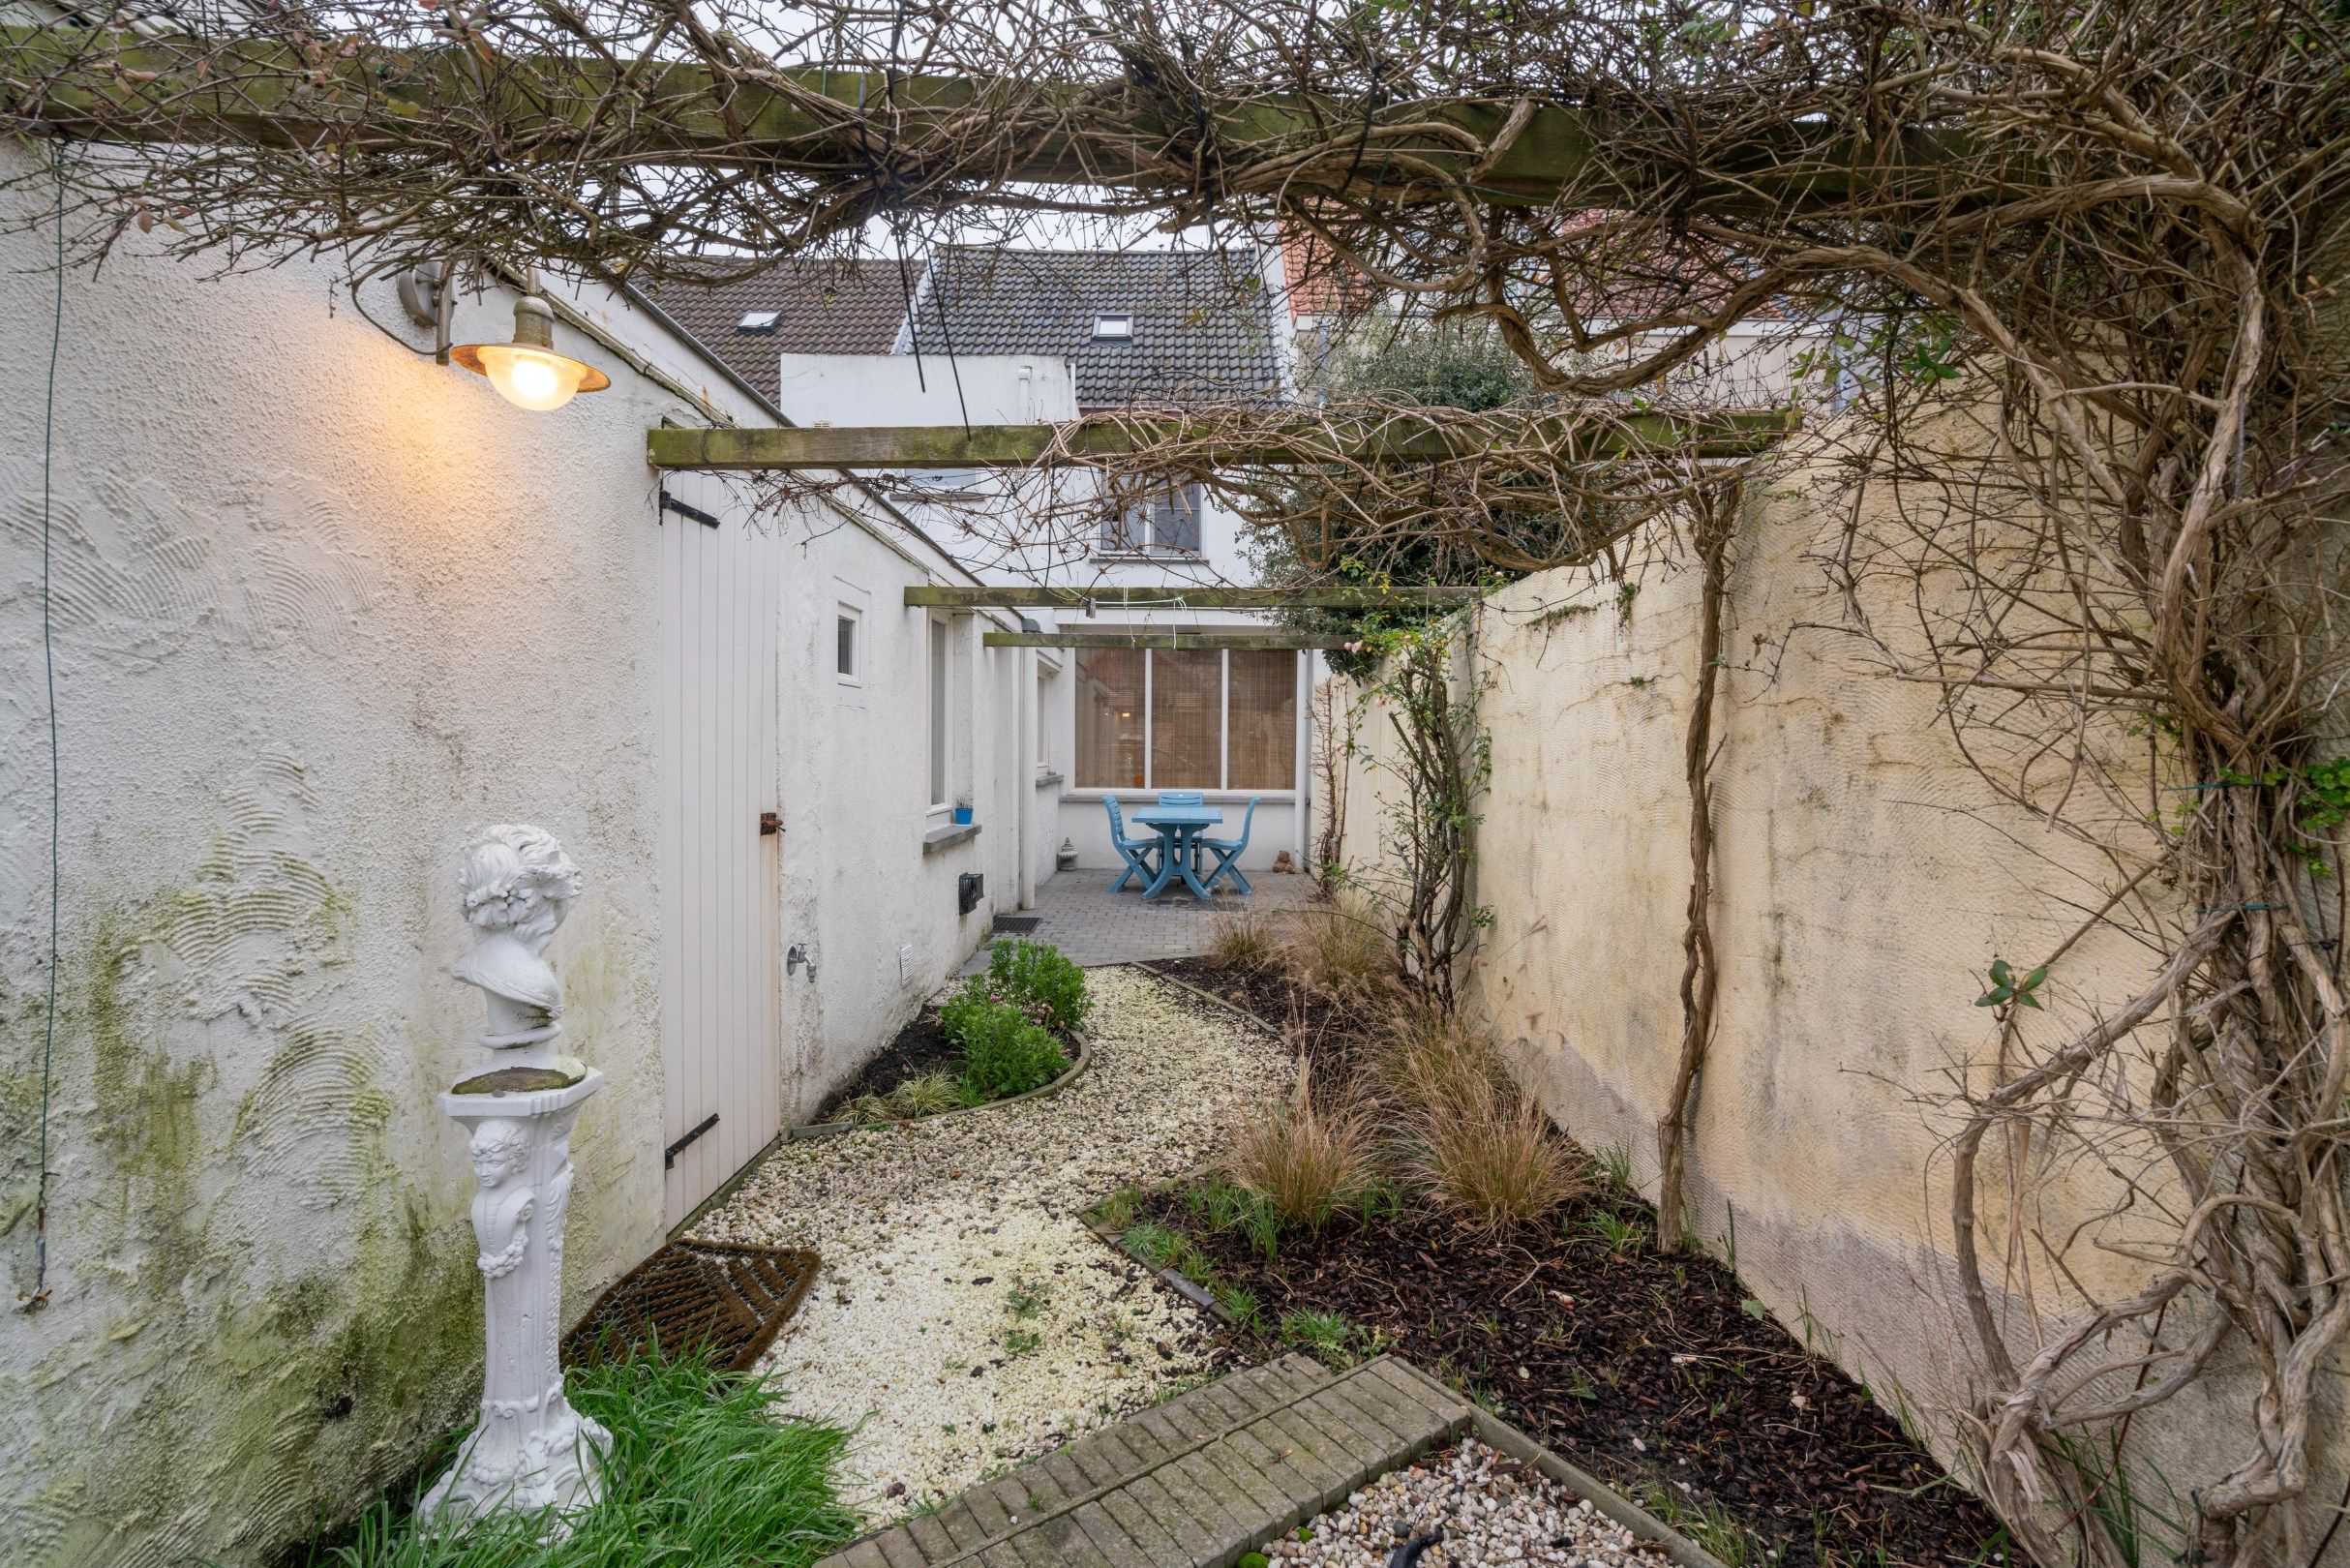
(515, 884)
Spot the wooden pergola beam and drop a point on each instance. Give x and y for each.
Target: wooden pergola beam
(113, 84)
(1175, 597)
(1165, 638)
(1278, 444)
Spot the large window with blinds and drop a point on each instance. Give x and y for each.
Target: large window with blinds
(1187, 720)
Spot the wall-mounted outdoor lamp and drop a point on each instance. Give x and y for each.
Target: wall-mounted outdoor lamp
(527, 372)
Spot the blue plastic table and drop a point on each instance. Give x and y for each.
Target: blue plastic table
(1177, 827)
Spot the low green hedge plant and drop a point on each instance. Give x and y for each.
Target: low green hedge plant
(1037, 980)
(1004, 1053)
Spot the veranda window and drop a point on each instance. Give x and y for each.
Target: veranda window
(1163, 719)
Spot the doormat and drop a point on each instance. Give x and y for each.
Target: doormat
(1017, 925)
(728, 1299)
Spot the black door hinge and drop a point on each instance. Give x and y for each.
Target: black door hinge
(669, 1155)
(670, 503)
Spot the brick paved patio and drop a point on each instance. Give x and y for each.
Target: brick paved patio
(1082, 918)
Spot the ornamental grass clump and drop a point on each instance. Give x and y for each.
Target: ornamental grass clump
(1241, 940)
(1305, 1158)
(1432, 1058)
(1339, 951)
(701, 1471)
(1490, 1155)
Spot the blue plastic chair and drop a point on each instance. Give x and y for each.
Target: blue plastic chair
(1227, 850)
(1136, 852)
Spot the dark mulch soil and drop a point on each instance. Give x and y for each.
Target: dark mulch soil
(1644, 1367)
(920, 1047)
(1334, 1036)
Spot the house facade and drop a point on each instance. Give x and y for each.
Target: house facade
(315, 609)
(1011, 335)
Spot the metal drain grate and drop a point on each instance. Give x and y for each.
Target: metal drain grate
(731, 1299)
(1017, 925)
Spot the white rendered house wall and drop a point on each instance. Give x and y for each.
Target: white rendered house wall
(318, 614)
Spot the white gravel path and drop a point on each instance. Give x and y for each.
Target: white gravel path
(1493, 1510)
(965, 1319)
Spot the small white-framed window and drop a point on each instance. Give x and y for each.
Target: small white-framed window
(848, 644)
(1045, 721)
(760, 323)
(1116, 327)
(941, 710)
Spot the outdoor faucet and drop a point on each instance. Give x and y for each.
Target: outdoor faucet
(796, 956)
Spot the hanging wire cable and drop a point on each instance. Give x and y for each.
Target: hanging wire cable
(39, 1296)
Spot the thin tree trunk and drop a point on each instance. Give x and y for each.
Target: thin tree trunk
(1716, 522)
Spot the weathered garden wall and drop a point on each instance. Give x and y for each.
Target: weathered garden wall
(1865, 879)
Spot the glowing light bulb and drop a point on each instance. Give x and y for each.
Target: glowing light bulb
(530, 378)
(527, 372)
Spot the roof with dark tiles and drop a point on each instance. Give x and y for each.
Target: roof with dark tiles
(1202, 327)
(820, 307)
(1202, 321)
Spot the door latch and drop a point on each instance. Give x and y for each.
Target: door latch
(770, 822)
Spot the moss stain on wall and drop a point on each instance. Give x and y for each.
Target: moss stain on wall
(262, 1401)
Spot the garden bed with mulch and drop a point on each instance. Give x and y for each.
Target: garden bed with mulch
(921, 1048)
(1655, 1371)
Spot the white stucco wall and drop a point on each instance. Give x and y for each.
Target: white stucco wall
(321, 609)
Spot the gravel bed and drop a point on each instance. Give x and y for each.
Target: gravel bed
(1490, 1508)
(965, 1318)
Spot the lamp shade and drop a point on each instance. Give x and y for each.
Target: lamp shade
(527, 372)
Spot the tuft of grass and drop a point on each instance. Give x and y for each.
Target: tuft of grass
(928, 1095)
(1491, 1156)
(1117, 1211)
(700, 1471)
(1306, 1160)
(1241, 1302)
(1338, 950)
(1241, 940)
(1707, 1523)
(1331, 1338)
(1620, 1233)
(1154, 1245)
(1615, 1169)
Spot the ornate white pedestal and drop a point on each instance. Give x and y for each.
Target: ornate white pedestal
(531, 1450)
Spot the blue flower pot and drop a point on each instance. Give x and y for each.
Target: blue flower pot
(962, 816)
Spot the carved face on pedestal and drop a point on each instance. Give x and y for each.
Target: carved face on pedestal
(500, 1148)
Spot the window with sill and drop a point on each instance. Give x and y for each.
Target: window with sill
(941, 672)
(1161, 720)
(1164, 520)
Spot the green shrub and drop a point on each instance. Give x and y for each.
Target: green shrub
(1035, 978)
(965, 1012)
(1003, 1053)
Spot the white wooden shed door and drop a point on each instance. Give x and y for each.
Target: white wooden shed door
(721, 1021)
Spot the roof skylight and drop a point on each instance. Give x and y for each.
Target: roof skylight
(760, 323)
(1118, 328)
